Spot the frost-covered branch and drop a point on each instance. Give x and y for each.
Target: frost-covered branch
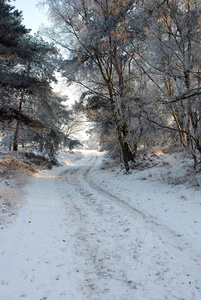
(184, 96)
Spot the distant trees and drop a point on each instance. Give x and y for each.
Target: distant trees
(139, 63)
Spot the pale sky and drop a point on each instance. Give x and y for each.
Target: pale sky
(33, 16)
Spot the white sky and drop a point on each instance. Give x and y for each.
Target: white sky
(33, 16)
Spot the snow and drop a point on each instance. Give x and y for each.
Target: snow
(87, 231)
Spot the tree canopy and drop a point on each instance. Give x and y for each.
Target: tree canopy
(139, 64)
(27, 70)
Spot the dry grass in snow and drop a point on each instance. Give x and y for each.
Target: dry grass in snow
(15, 169)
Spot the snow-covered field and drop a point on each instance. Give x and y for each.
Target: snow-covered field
(87, 231)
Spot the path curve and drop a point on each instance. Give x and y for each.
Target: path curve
(76, 240)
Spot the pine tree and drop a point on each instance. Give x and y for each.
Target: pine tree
(26, 71)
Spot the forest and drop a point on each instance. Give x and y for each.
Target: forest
(121, 218)
(136, 64)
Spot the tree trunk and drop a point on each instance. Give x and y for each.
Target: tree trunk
(123, 146)
(16, 137)
(16, 134)
(126, 149)
(107, 78)
(181, 135)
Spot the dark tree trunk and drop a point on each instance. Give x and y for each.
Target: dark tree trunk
(16, 137)
(16, 134)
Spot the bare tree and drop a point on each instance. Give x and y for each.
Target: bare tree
(96, 36)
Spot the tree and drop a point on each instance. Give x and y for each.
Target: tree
(73, 144)
(26, 72)
(174, 64)
(96, 31)
(140, 67)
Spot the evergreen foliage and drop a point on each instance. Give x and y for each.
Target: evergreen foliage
(26, 72)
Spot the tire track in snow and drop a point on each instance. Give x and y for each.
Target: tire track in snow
(92, 210)
(150, 223)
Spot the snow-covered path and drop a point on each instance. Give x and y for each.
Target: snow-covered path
(85, 235)
(33, 251)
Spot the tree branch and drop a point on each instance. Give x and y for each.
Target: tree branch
(185, 95)
(11, 114)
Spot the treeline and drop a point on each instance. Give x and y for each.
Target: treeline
(139, 65)
(30, 112)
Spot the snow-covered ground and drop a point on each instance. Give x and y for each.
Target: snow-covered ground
(87, 231)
